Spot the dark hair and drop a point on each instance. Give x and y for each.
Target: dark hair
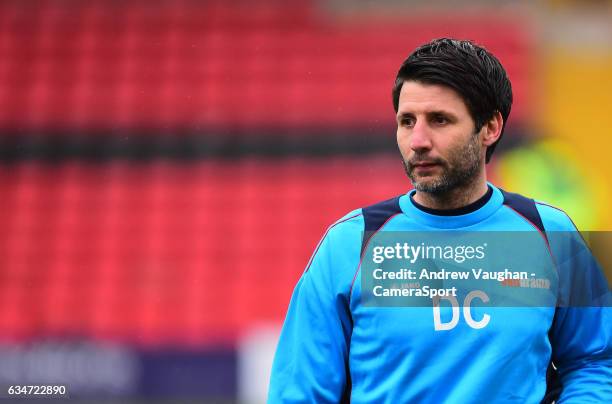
(473, 72)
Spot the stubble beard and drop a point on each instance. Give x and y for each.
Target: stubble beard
(460, 170)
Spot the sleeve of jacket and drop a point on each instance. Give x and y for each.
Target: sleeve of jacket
(311, 360)
(581, 333)
(582, 353)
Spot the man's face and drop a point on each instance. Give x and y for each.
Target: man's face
(437, 138)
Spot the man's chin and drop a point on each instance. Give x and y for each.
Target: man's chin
(429, 185)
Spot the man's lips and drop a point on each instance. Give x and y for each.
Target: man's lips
(425, 164)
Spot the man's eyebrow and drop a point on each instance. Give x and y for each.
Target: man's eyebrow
(401, 115)
(440, 112)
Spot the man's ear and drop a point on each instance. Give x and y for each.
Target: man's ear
(492, 129)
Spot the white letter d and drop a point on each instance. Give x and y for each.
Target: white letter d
(438, 324)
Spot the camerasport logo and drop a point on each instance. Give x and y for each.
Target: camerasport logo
(532, 283)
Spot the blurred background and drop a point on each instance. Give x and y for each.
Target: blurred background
(167, 167)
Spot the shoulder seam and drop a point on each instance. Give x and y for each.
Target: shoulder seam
(523, 217)
(325, 235)
(345, 219)
(551, 206)
(562, 211)
(350, 295)
(540, 232)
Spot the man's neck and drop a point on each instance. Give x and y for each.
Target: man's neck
(453, 199)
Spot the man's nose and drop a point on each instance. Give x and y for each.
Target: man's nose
(420, 138)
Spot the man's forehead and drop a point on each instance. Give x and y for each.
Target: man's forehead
(423, 97)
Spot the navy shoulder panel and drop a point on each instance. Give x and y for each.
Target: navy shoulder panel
(525, 207)
(376, 215)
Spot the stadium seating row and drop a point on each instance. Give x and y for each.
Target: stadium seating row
(158, 253)
(126, 64)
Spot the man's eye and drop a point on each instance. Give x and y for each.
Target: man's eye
(407, 122)
(440, 120)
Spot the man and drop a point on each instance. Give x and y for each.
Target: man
(452, 99)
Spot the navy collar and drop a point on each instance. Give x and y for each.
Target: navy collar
(449, 219)
(464, 210)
